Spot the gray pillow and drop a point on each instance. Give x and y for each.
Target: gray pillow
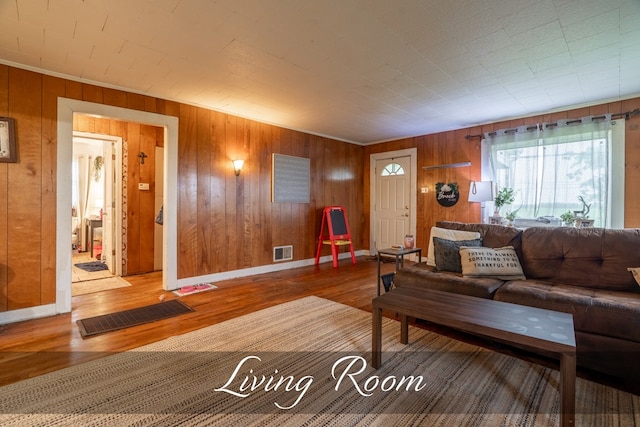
(447, 253)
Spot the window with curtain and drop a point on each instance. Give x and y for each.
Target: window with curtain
(553, 167)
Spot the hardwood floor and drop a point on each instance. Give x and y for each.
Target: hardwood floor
(35, 347)
(38, 346)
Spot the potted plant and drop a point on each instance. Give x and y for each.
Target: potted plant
(505, 196)
(568, 218)
(511, 216)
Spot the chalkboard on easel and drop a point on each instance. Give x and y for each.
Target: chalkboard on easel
(337, 223)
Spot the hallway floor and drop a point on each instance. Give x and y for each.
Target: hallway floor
(79, 275)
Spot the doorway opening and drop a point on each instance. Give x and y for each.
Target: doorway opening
(169, 124)
(96, 213)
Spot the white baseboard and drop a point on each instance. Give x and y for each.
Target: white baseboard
(27, 313)
(233, 274)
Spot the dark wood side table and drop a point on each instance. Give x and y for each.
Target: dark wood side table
(91, 224)
(399, 255)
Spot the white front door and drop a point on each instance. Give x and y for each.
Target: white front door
(392, 201)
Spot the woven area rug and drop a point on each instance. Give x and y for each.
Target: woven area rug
(306, 362)
(98, 285)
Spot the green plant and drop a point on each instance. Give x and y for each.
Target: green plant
(452, 185)
(511, 215)
(97, 166)
(567, 217)
(505, 196)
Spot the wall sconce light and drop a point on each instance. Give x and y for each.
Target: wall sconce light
(237, 166)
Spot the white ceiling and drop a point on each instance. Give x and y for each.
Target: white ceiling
(357, 70)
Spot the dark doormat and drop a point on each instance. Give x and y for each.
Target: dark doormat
(92, 266)
(136, 316)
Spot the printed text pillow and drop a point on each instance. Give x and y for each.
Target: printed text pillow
(500, 263)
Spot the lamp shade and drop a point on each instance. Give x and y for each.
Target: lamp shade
(481, 191)
(237, 166)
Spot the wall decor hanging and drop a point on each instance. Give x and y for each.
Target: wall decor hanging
(447, 194)
(290, 179)
(7, 140)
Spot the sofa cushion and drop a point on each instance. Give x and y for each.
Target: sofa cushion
(596, 311)
(447, 253)
(501, 263)
(591, 257)
(493, 236)
(424, 276)
(449, 235)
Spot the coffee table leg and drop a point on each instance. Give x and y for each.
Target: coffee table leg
(567, 389)
(378, 273)
(404, 329)
(376, 338)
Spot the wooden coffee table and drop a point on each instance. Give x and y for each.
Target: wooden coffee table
(529, 327)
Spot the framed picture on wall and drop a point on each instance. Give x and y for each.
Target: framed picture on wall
(7, 140)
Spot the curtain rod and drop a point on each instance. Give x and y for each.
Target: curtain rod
(626, 115)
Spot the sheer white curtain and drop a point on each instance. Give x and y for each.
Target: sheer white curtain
(552, 165)
(513, 161)
(84, 184)
(87, 191)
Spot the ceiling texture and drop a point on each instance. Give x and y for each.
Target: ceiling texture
(362, 71)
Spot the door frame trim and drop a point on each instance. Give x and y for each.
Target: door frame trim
(413, 155)
(66, 108)
(117, 218)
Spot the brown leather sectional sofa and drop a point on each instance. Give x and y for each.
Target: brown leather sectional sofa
(578, 271)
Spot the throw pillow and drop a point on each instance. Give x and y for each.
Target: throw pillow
(445, 233)
(500, 263)
(447, 253)
(636, 273)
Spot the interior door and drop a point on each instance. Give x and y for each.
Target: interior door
(393, 201)
(108, 224)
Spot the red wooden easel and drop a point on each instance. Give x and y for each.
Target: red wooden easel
(339, 234)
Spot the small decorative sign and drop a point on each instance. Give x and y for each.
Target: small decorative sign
(447, 194)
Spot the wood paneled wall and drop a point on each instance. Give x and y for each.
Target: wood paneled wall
(224, 222)
(453, 147)
(228, 222)
(140, 209)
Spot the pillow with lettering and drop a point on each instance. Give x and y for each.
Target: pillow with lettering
(636, 273)
(499, 263)
(447, 253)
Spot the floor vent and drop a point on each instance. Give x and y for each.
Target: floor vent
(282, 253)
